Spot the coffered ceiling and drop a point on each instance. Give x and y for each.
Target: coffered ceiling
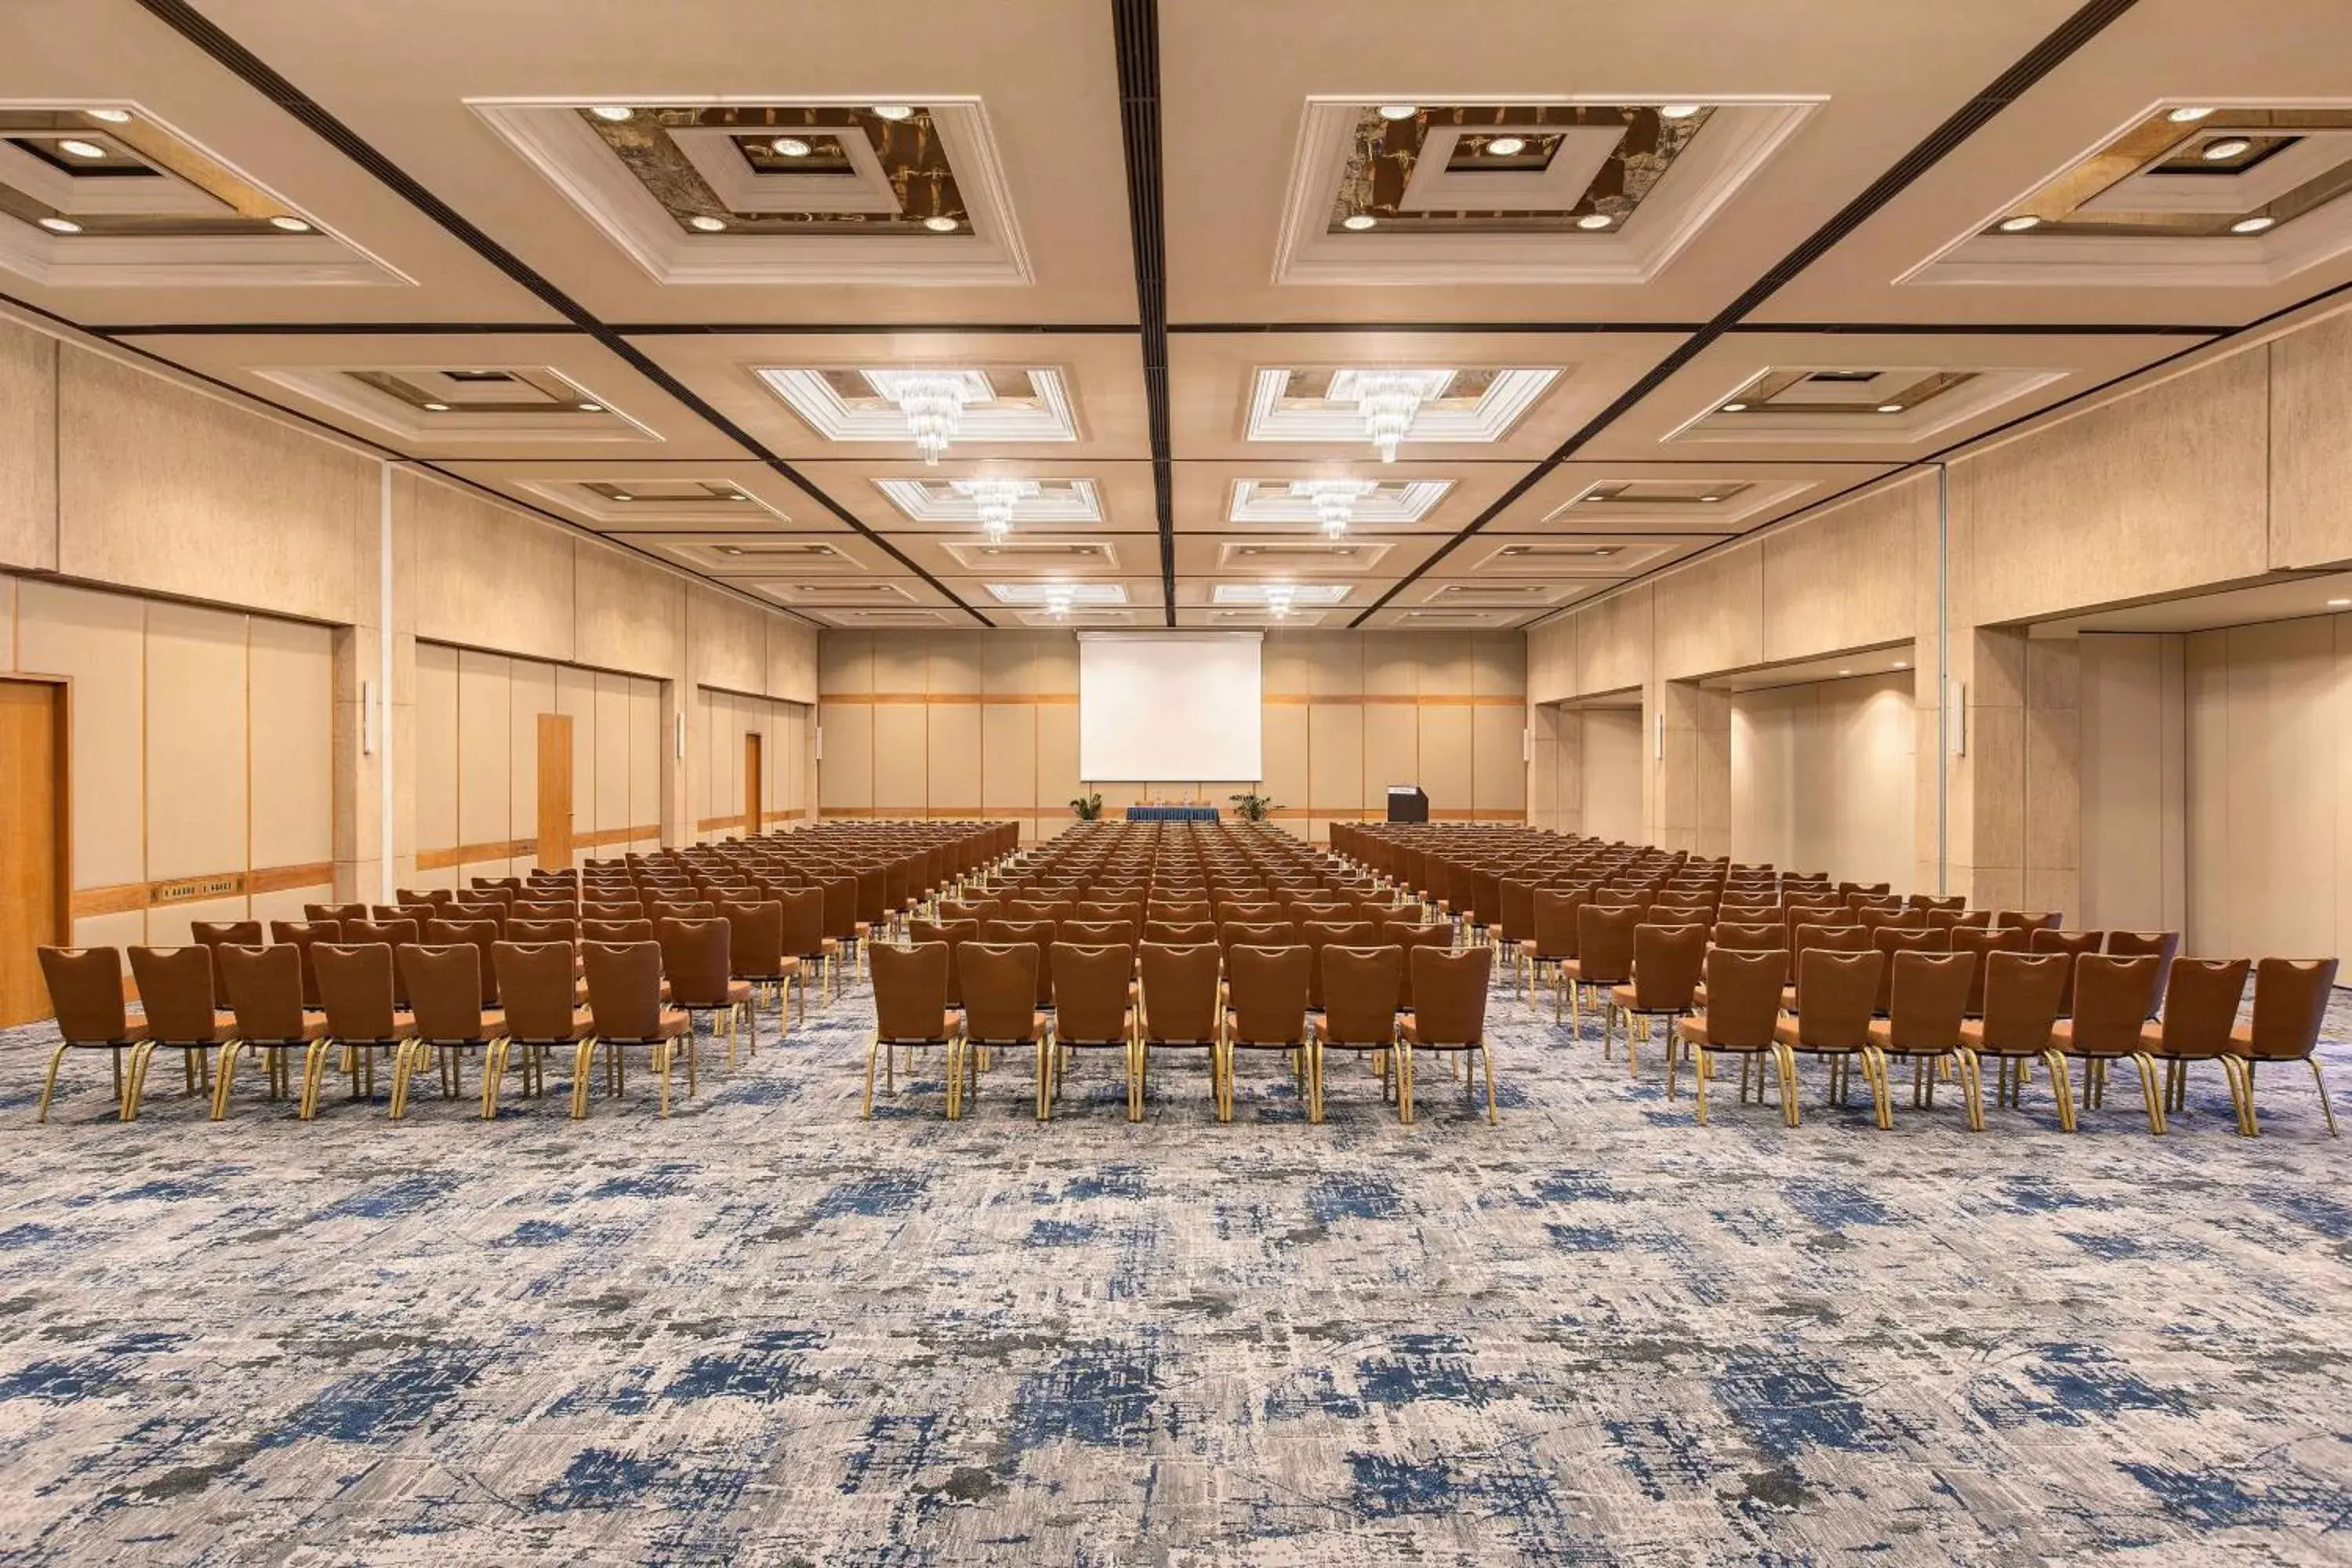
(1098, 312)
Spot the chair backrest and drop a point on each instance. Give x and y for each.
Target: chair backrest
(999, 981)
(1257, 933)
(299, 935)
(1558, 926)
(1668, 961)
(541, 931)
(1412, 937)
(1893, 940)
(86, 993)
(1449, 993)
(2290, 1005)
(1604, 938)
(1096, 933)
(2042, 939)
(911, 990)
(175, 991)
(1743, 996)
(617, 931)
(1180, 991)
(1267, 988)
(1180, 933)
(1929, 998)
(483, 935)
(2017, 995)
(1870, 919)
(443, 982)
(1090, 988)
(624, 988)
(1743, 936)
(1363, 986)
(264, 990)
(841, 916)
(755, 938)
(1837, 992)
(2165, 944)
(695, 960)
(338, 913)
(2025, 920)
(535, 982)
(355, 987)
(2112, 997)
(2200, 1004)
(390, 932)
(1984, 942)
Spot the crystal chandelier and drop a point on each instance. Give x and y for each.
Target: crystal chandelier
(1277, 600)
(932, 402)
(995, 499)
(1057, 602)
(1391, 399)
(1335, 501)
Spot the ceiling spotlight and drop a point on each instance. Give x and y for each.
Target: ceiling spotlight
(932, 402)
(2251, 225)
(1677, 110)
(60, 225)
(789, 147)
(1902, 664)
(1595, 220)
(738, 495)
(110, 116)
(893, 111)
(1357, 221)
(2188, 116)
(290, 223)
(1399, 110)
(2214, 152)
(436, 408)
(591, 408)
(2019, 224)
(1735, 408)
(1845, 672)
(622, 494)
(1058, 601)
(1710, 500)
(706, 223)
(941, 225)
(1507, 146)
(2339, 603)
(81, 148)
(615, 113)
(1890, 409)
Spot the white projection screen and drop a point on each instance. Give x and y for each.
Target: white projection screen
(1175, 707)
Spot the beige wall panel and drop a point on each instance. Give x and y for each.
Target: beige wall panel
(1498, 776)
(1610, 764)
(1393, 739)
(125, 930)
(792, 660)
(290, 669)
(2281, 771)
(98, 640)
(1446, 745)
(436, 747)
(2205, 669)
(796, 796)
(1008, 756)
(484, 726)
(1551, 661)
(8, 623)
(730, 641)
(1007, 662)
(1391, 662)
(1613, 643)
(2124, 770)
(953, 744)
(1498, 664)
(846, 773)
(1335, 664)
(195, 733)
(2311, 445)
(1285, 667)
(898, 662)
(649, 744)
(1057, 759)
(28, 435)
(613, 758)
(845, 661)
(1448, 664)
(627, 613)
(575, 694)
(172, 925)
(530, 691)
(1336, 768)
(1710, 615)
(1283, 741)
(1053, 665)
(2165, 489)
(1843, 579)
(1543, 767)
(176, 492)
(488, 577)
(708, 722)
(284, 904)
(954, 663)
(901, 757)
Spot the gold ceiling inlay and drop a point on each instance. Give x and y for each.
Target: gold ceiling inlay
(911, 159)
(1384, 153)
(135, 157)
(481, 391)
(2204, 149)
(1817, 392)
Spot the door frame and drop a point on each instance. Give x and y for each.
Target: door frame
(62, 793)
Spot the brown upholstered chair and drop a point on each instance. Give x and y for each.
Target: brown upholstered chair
(1180, 933)
(1668, 961)
(1096, 933)
(1036, 933)
(1555, 939)
(85, 993)
(1929, 998)
(1892, 940)
(801, 910)
(265, 993)
(1266, 992)
(213, 935)
(1983, 942)
(1603, 961)
(1840, 995)
(446, 999)
(299, 935)
(2026, 919)
(1742, 1012)
(177, 996)
(537, 984)
(1093, 1010)
(2290, 1010)
(356, 983)
(697, 963)
(336, 913)
(1364, 991)
(911, 1012)
(2016, 999)
(539, 931)
(617, 932)
(2043, 939)
(480, 934)
(1449, 1015)
(2164, 945)
(2200, 1009)
(1001, 1010)
(2112, 997)
(1178, 1007)
(626, 1008)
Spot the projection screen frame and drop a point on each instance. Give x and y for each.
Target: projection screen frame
(1256, 733)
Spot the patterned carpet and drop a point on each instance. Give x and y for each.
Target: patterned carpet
(766, 1332)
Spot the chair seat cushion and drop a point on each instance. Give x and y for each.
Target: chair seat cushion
(1233, 1037)
(1321, 1027)
(832, 945)
(738, 991)
(1408, 1031)
(131, 1034)
(1125, 1033)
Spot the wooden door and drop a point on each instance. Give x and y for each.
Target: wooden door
(554, 792)
(32, 863)
(751, 784)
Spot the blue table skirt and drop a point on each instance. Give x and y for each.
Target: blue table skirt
(1172, 814)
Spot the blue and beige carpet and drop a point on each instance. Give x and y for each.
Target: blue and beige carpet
(764, 1331)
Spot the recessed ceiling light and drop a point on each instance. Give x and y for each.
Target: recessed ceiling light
(591, 408)
(1890, 409)
(81, 148)
(1595, 220)
(612, 112)
(290, 223)
(1677, 110)
(706, 223)
(2251, 225)
(1735, 408)
(1507, 146)
(1710, 499)
(790, 147)
(436, 408)
(2339, 603)
(622, 494)
(2019, 224)
(1845, 672)
(110, 116)
(60, 225)
(1399, 110)
(738, 495)
(2184, 116)
(2228, 147)
(893, 111)
(1357, 221)
(1902, 664)
(941, 225)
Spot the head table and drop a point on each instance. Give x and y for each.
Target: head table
(1172, 814)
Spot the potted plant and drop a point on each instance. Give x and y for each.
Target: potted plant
(1252, 806)
(1087, 807)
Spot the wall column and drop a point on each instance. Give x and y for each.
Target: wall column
(1692, 779)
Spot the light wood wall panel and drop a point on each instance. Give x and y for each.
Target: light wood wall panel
(2134, 782)
(1848, 578)
(1711, 617)
(1823, 776)
(196, 806)
(99, 641)
(1609, 767)
(2310, 458)
(28, 444)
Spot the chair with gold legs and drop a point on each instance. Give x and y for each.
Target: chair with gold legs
(1743, 1009)
(1266, 990)
(2290, 1010)
(1000, 1013)
(1364, 991)
(624, 1010)
(176, 992)
(1177, 1008)
(1926, 1003)
(1449, 1016)
(2200, 1009)
(86, 993)
(1093, 1010)
(756, 957)
(911, 1012)
(356, 982)
(445, 996)
(1603, 961)
(1668, 962)
(1837, 993)
(1554, 941)
(696, 960)
(539, 997)
(2112, 1000)
(804, 938)
(265, 993)
(2016, 996)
